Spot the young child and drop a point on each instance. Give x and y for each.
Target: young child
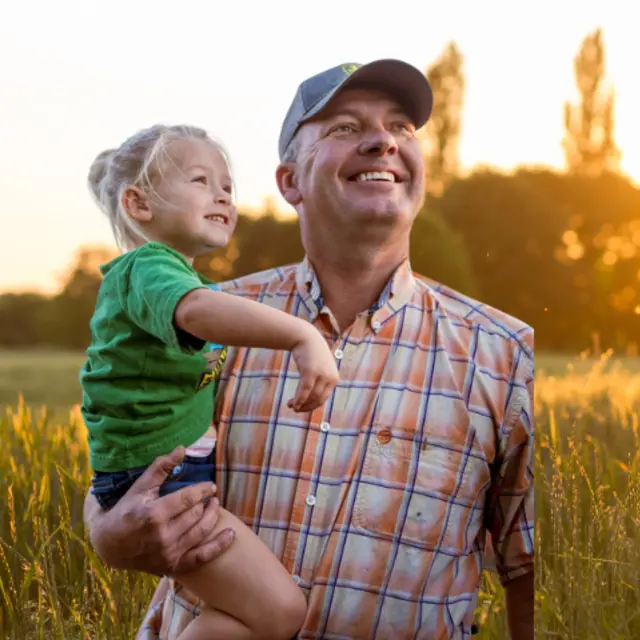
(150, 375)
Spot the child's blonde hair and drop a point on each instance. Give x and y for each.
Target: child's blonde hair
(134, 164)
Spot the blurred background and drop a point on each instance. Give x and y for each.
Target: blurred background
(533, 149)
(533, 156)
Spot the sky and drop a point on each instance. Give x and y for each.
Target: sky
(79, 76)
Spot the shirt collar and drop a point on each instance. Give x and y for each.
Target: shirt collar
(396, 293)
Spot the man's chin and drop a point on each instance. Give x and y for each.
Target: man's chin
(381, 214)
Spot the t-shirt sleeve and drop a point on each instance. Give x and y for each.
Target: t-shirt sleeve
(158, 279)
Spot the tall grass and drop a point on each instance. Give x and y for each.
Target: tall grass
(588, 522)
(52, 585)
(588, 504)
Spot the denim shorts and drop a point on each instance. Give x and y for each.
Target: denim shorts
(109, 487)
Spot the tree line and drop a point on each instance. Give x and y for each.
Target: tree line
(560, 250)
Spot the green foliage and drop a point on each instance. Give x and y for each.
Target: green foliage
(439, 253)
(21, 319)
(561, 252)
(259, 243)
(510, 230)
(599, 250)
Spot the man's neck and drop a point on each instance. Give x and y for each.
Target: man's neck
(352, 282)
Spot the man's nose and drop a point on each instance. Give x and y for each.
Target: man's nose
(380, 143)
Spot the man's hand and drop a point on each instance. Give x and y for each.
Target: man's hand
(520, 595)
(145, 532)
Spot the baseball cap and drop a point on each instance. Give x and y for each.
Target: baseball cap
(399, 79)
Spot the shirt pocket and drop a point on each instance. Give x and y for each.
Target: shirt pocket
(427, 494)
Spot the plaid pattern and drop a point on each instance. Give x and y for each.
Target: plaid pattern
(380, 501)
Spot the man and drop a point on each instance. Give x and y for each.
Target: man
(379, 502)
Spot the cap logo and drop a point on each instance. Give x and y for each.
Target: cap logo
(349, 68)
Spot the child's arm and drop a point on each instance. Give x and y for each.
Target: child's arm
(227, 319)
(223, 318)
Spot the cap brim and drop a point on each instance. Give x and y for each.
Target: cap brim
(399, 79)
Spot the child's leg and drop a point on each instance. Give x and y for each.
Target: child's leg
(249, 593)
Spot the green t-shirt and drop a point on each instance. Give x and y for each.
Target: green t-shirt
(147, 386)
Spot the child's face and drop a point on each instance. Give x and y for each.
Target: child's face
(191, 209)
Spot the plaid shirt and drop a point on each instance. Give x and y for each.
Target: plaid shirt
(379, 502)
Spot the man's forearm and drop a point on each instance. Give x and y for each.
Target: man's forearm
(520, 607)
(175, 533)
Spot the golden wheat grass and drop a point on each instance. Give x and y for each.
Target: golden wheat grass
(588, 504)
(587, 535)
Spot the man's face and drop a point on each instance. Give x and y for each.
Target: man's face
(359, 165)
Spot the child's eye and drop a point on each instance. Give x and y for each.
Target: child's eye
(228, 188)
(202, 179)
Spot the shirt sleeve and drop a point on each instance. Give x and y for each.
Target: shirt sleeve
(158, 279)
(511, 501)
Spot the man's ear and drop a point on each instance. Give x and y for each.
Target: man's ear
(287, 183)
(136, 203)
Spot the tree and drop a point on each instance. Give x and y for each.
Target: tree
(589, 144)
(72, 308)
(84, 277)
(23, 319)
(439, 253)
(600, 248)
(510, 231)
(442, 133)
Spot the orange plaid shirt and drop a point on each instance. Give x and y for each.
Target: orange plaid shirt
(379, 502)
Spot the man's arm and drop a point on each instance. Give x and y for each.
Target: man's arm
(520, 598)
(157, 535)
(511, 501)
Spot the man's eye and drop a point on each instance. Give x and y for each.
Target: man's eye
(406, 126)
(344, 128)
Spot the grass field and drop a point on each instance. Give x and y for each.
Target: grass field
(588, 508)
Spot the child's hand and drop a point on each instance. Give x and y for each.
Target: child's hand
(318, 372)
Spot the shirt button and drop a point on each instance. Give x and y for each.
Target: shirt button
(384, 436)
(311, 500)
(375, 325)
(338, 354)
(325, 427)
